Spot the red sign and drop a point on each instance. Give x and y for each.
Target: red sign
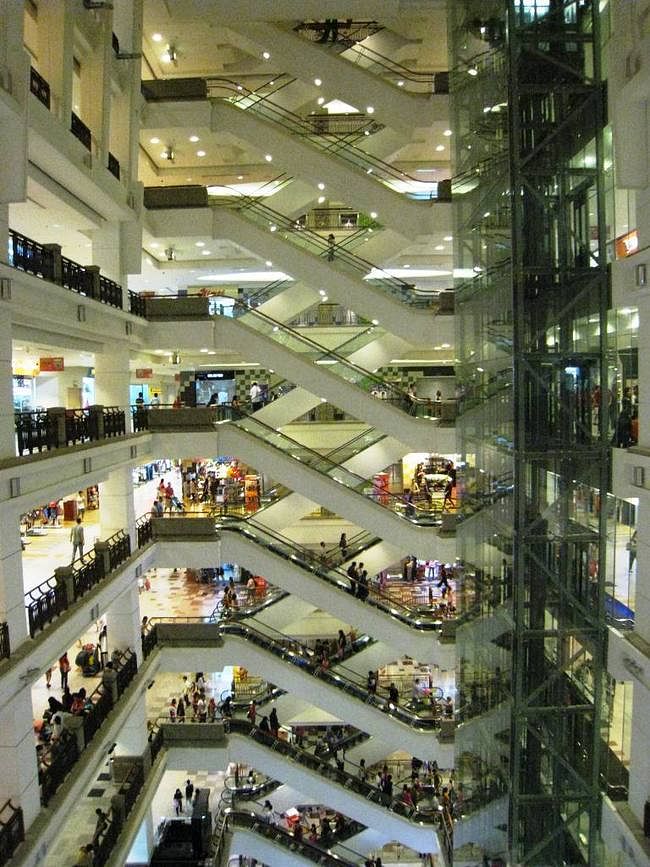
(51, 365)
(627, 245)
(143, 372)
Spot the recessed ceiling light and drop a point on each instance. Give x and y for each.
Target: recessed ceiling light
(446, 345)
(240, 177)
(321, 186)
(321, 199)
(406, 266)
(400, 83)
(447, 132)
(370, 109)
(154, 244)
(212, 352)
(56, 225)
(321, 291)
(373, 215)
(200, 153)
(448, 238)
(439, 247)
(317, 82)
(200, 244)
(440, 148)
(204, 350)
(154, 140)
(268, 263)
(320, 100)
(266, 55)
(273, 228)
(157, 37)
(159, 351)
(375, 321)
(207, 252)
(194, 138)
(268, 157)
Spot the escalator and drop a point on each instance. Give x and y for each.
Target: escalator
(341, 789)
(331, 373)
(366, 78)
(190, 644)
(350, 280)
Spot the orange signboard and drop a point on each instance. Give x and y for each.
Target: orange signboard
(143, 372)
(51, 365)
(627, 245)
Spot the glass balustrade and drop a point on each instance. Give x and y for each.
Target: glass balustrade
(333, 359)
(416, 513)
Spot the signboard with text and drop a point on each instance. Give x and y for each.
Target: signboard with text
(53, 364)
(143, 372)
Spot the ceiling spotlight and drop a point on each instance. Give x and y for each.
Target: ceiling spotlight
(472, 71)
(440, 148)
(320, 100)
(268, 263)
(156, 37)
(439, 247)
(170, 253)
(370, 109)
(200, 153)
(447, 132)
(448, 238)
(240, 177)
(400, 83)
(373, 215)
(266, 55)
(154, 140)
(321, 199)
(321, 186)
(200, 244)
(268, 157)
(317, 82)
(194, 138)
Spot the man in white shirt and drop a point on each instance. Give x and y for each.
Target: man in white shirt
(255, 394)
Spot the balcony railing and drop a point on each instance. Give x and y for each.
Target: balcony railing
(54, 596)
(55, 428)
(79, 130)
(5, 648)
(39, 87)
(46, 261)
(137, 304)
(57, 758)
(12, 831)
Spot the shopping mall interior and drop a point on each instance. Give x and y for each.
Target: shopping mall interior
(323, 446)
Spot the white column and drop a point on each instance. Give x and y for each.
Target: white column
(133, 737)
(107, 251)
(7, 425)
(123, 622)
(12, 600)
(19, 777)
(112, 378)
(116, 508)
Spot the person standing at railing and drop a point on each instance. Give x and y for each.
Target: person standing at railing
(64, 670)
(109, 681)
(77, 539)
(331, 247)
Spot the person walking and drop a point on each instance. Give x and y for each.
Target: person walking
(64, 670)
(256, 398)
(331, 247)
(77, 539)
(81, 505)
(101, 824)
(343, 546)
(189, 791)
(177, 800)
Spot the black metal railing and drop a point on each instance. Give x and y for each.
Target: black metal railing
(127, 794)
(30, 256)
(137, 304)
(35, 432)
(119, 549)
(139, 418)
(143, 528)
(54, 596)
(47, 262)
(79, 130)
(43, 430)
(45, 603)
(110, 292)
(39, 87)
(113, 165)
(5, 647)
(12, 830)
(57, 758)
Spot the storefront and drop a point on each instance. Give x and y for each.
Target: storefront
(223, 481)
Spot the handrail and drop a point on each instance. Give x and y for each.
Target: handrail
(12, 830)
(55, 428)
(318, 246)
(338, 676)
(57, 759)
(352, 372)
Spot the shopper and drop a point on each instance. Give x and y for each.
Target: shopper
(274, 723)
(81, 505)
(64, 670)
(77, 539)
(331, 247)
(255, 394)
(177, 800)
(109, 681)
(393, 694)
(343, 546)
(101, 823)
(189, 791)
(251, 713)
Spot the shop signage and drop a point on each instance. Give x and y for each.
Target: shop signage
(53, 364)
(627, 245)
(144, 372)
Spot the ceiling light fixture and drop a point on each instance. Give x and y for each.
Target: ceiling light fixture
(321, 186)
(154, 140)
(157, 37)
(268, 158)
(320, 100)
(447, 133)
(194, 138)
(266, 55)
(317, 82)
(200, 153)
(370, 109)
(200, 244)
(440, 148)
